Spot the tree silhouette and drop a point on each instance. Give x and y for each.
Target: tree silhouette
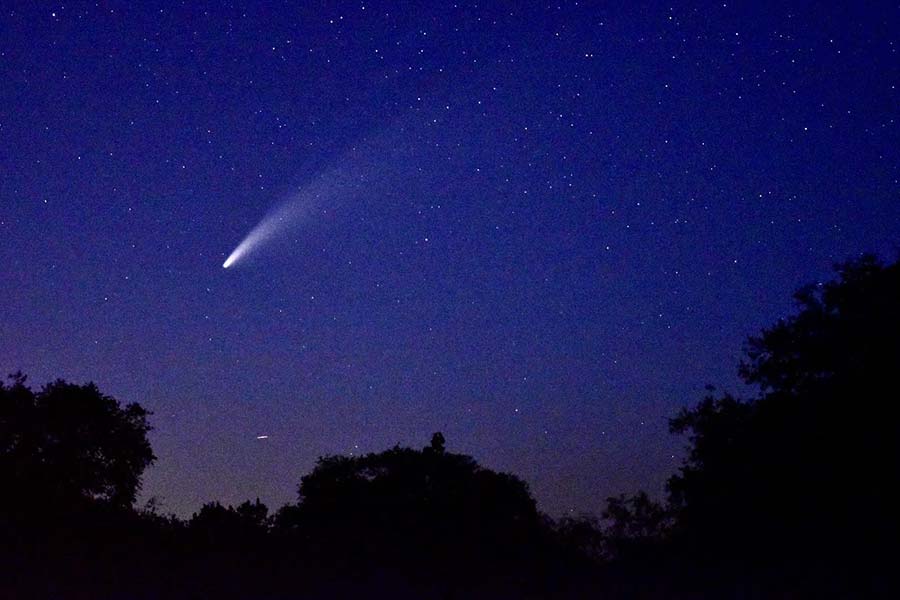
(803, 478)
(71, 461)
(431, 514)
(215, 524)
(844, 337)
(68, 443)
(792, 493)
(635, 525)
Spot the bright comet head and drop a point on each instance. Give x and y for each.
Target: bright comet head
(250, 241)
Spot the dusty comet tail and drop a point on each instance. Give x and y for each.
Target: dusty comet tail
(359, 171)
(272, 224)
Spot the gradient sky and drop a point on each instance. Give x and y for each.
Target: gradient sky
(539, 228)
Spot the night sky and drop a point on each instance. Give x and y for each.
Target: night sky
(540, 230)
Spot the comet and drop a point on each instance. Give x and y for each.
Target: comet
(286, 216)
(359, 172)
(328, 190)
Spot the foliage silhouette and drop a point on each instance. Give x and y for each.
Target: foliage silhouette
(66, 443)
(430, 512)
(792, 493)
(634, 526)
(215, 524)
(800, 484)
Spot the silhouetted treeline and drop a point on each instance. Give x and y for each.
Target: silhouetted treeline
(790, 494)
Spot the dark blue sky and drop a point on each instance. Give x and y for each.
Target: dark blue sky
(540, 230)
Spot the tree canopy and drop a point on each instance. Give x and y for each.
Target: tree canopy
(805, 474)
(68, 442)
(429, 508)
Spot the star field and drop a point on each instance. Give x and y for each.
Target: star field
(539, 229)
